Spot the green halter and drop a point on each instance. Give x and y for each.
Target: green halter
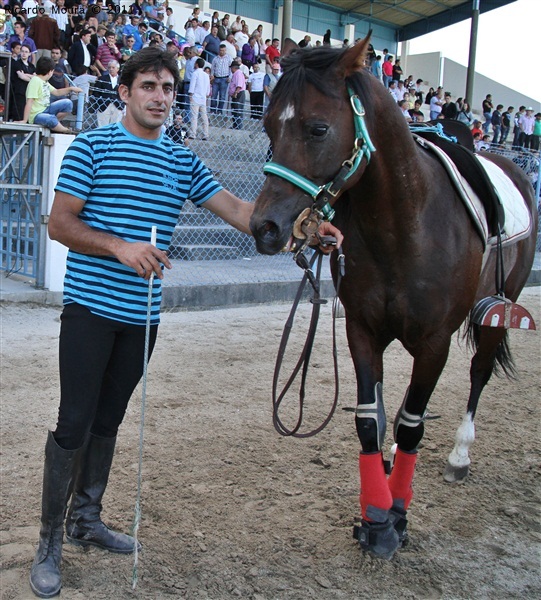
(321, 195)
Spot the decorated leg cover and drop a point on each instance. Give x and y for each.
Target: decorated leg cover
(376, 499)
(401, 477)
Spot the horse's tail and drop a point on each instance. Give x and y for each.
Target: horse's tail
(504, 363)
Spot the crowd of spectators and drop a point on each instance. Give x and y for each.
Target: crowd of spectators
(219, 59)
(408, 94)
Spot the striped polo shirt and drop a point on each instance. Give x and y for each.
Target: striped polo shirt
(128, 184)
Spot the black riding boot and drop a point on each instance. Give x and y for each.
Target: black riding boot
(60, 464)
(83, 524)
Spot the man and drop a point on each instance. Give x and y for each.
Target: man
(202, 33)
(448, 109)
(507, 116)
(436, 103)
(496, 122)
(82, 52)
(375, 69)
(45, 33)
(248, 54)
(516, 129)
(108, 105)
(231, 46)
(199, 91)
(61, 69)
(211, 44)
(257, 93)
(242, 36)
(270, 81)
(271, 53)
(61, 16)
(387, 69)
(237, 93)
(393, 90)
(219, 69)
(170, 21)
(191, 32)
(306, 42)
(38, 109)
(487, 112)
(20, 36)
(130, 29)
(526, 124)
(106, 224)
(128, 50)
(107, 52)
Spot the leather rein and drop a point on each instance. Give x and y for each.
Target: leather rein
(305, 232)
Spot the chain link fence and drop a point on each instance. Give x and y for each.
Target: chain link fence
(208, 250)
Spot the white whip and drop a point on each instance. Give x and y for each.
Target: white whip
(137, 517)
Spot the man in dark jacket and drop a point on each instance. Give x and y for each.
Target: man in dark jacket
(45, 33)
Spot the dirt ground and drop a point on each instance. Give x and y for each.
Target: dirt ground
(232, 510)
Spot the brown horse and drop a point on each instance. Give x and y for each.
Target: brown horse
(415, 264)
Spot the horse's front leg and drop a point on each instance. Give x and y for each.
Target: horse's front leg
(375, 532)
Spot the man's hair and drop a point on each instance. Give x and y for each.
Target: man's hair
(27, 46)
(44, 65)
(21, 23)
(109, 33)
(85, 32)
(152, 59)
(200, 63)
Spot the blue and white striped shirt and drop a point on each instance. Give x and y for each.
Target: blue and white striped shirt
(128, 184)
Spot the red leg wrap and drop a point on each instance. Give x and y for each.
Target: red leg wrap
(401, 477)
(376, 498)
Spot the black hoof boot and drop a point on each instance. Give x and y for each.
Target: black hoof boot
(397, 516)
(379, 539)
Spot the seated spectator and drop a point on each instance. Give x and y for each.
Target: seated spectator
(38, 109)
(61, 69)
(128, 50)
(476, 128)
(403, 106)
(177, 131)
(416, 113)
(393, 90)
(465, 115)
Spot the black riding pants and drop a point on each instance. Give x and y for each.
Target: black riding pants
(101, 362)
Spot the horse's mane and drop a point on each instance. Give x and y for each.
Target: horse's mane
(304, 66)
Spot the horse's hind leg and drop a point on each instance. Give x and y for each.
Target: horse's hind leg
(490, 344)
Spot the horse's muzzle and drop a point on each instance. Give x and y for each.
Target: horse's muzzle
(269, 237)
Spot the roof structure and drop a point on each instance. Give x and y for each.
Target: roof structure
(409, 18)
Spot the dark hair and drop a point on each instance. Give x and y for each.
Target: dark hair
(44, 65)
(27, 46)
(200, 63)
(151, 59)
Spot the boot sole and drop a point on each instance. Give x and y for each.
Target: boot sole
(86, 543)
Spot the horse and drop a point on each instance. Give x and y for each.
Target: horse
(415, 265)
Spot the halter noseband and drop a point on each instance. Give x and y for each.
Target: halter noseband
(322, 195)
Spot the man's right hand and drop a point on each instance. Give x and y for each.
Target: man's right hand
(143, 258)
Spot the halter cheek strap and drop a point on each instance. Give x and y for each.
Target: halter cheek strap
(322, 195)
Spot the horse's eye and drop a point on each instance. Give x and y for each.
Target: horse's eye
(319, 130)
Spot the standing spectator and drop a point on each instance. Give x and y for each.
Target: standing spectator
(242, 37)
(476, 128)
(177, 131)
(191, 32)
(506, 124)
(211, 44)
(534, 145)
(429, 95)
(107, 52)
(487, 112)
(170, 21)
(20, 36)
(327, 38)
(61, 16)
(375, 69)
(448, 109)
(387, 68)
(271, 53)
(82, 52)
(397, 70)
(436, 103)
(231, 46)
(220, 71)
(270, 81)
(38, 109)
(223, 28)
(45, 33)
(130, 29)
(237, 25)
(496, 121)
(516, 130)
(199, 91)
(109, 106)
(257, 94)
(237, 93)
(22, 71)
(202, 32)
(248, 54)
(418, 90)
(526, 124)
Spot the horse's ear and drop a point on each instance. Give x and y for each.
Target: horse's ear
(354, 58)
(289, 46)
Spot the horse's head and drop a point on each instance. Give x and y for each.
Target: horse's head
(313, 130)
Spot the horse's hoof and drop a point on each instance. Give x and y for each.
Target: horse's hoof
(397, 516)
(381, 540)
(455, 474)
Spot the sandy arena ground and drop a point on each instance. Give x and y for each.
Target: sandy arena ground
(233, 510)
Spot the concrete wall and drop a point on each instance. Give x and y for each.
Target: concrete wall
(433, 69)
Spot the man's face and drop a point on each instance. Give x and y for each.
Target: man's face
(25, 53)
(18, 29)
(110, 40)
(222, 51)
(276, 43)
(214, 31)
(113, 69)
(130, 41)
(195, 23)
(256, 68)
(86, 38)
(148, 102)
(55, 54)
